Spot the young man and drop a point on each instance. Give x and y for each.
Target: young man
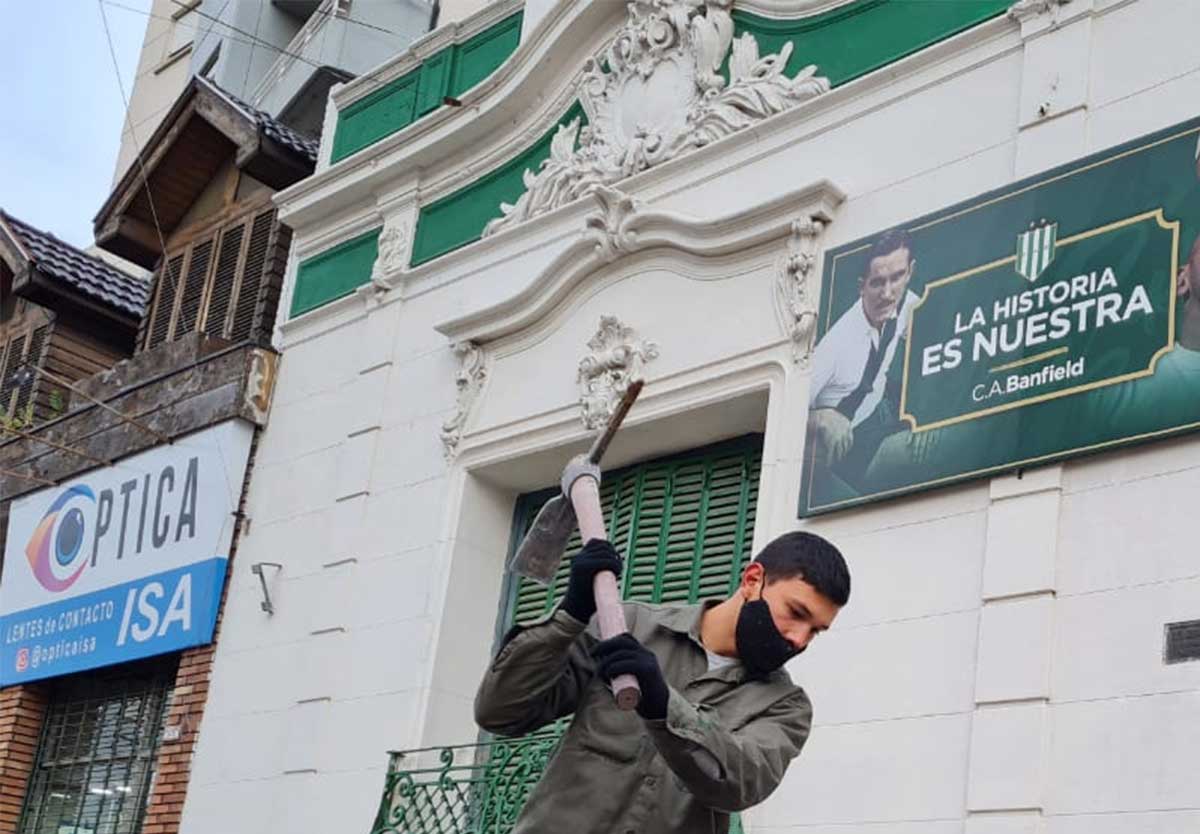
(719, 718)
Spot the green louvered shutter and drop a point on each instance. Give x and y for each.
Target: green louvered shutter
(684, 525)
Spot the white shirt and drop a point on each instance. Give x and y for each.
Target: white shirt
(841, 357)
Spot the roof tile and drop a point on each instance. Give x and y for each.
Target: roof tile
(85, 273)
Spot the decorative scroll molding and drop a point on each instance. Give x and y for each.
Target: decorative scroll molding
(656, 94)
(789, 9)
(616, 359)
(393, 250)
(795, 296)
(390, 259)
(472, 372)
(612, 227)
(1022, 10)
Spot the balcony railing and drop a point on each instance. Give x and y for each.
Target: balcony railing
(468, 789)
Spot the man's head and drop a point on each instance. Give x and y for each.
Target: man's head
(889, 269)
(804, 581)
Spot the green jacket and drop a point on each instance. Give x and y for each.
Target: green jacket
(723, 747)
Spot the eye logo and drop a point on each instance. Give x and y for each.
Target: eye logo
(55, 549)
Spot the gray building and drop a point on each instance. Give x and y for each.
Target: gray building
(281, 56)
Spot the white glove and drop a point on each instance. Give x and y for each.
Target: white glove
(578, 467)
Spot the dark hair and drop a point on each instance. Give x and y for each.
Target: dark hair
(811, 558)
(888, 243)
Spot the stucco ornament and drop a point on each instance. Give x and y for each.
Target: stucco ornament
(657, 93)
(1023, 9)
(617, 358)
(611, 226)
(392, 243)
(472, 373)
(795, 295)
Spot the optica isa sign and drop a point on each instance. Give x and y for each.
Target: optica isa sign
(124, 562)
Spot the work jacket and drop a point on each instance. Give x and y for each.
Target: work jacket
(723, 747)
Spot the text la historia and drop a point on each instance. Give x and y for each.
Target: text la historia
(1036, 316)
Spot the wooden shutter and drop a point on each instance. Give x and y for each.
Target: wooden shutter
(33, 360)
(249, 287)
(163, 308)
(193, 289)
(684, 524)
(224, 281)
(12, 351)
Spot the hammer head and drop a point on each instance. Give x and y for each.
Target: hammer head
(541, 552)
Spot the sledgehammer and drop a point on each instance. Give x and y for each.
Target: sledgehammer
(540, 553)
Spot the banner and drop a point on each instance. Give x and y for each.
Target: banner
(123, 563)
(1055, 317)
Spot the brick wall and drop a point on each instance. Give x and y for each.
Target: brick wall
(187, 707)
(175, 757)
(22, 711)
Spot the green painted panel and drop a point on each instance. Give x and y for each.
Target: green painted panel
(483, 54)
(855, 39)
(334, 273)
(459, 218)
(434, 83)
(380, 114)
(844, 43)
(452, 70)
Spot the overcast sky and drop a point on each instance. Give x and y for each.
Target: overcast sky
(62, 108)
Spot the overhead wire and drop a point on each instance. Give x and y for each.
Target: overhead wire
(254, 40)
(9, 429)
(137, 146)
(212, 25)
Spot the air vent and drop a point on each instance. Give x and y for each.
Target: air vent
(1183, 642)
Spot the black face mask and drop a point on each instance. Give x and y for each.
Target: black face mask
(761, 648)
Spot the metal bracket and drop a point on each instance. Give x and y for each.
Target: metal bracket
(257, 570)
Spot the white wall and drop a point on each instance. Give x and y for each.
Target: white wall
(999, 668)
(155, 87)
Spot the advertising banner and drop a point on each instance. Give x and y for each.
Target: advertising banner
(124, 562)
(1055, 317)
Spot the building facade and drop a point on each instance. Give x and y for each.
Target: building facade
(132, 404)
(532, 206)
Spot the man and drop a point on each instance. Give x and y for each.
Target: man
(850, 367)
(1170, 397)
(719, 718)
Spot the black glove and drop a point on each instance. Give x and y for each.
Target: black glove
(597, 555)
(624, 654)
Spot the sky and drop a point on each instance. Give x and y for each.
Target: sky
(62, 109)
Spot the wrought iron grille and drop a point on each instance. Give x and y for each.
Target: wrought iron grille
(96, 758)
(467, 789)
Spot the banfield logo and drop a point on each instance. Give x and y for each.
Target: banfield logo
(55, 549)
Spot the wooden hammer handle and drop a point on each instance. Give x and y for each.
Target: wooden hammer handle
(585, 496)
(600, 444)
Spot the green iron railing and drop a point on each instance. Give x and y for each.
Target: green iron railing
(467, 789)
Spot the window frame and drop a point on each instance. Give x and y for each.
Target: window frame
(71, 699)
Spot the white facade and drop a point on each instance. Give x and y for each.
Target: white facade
(999, 669)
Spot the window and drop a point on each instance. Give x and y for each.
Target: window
(684, 524)
(97, 754)
(20, 357)
(183, 31)
(224, 283)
